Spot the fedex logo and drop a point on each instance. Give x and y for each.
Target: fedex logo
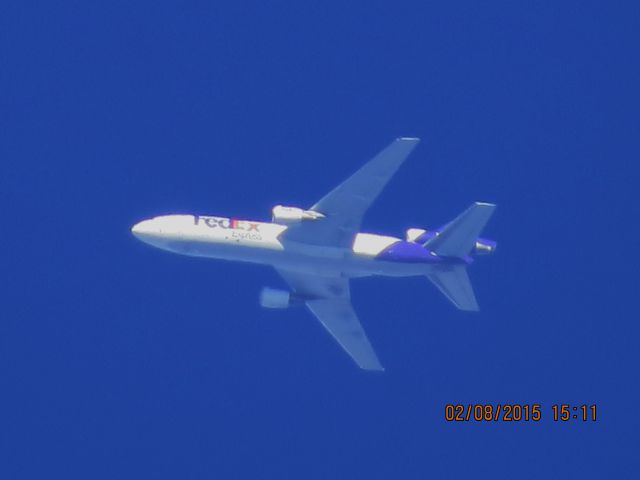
(226, 223)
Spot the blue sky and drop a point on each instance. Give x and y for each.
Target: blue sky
(121, 361)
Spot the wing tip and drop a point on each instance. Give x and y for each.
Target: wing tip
(485, 204)
(468, 308)
(376, 368)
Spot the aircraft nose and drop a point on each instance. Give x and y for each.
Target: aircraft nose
(142, 229)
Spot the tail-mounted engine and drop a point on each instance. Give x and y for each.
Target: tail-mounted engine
(482, 246)
(289, 215)
(415, 235)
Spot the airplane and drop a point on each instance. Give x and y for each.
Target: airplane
(318, 250)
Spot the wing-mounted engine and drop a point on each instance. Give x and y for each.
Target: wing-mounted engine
(290, 215)
(273, 298)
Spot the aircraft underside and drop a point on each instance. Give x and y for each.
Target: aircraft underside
(339, 263)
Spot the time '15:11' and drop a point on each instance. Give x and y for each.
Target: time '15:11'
(566, 412)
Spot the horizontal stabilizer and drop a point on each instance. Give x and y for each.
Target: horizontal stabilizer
(458, 237)
(455, 285)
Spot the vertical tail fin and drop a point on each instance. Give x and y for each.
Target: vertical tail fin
(454, 283)
(458, 237)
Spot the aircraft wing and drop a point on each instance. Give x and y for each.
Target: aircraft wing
(345, 206)
(329, 300)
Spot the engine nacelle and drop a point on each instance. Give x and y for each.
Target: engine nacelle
(273, 298)
(484, 247)
(289, 215)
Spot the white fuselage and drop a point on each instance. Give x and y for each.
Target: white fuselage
(260, 242)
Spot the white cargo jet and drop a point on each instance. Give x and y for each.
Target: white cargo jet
(317, 251)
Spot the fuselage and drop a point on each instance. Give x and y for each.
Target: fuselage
(263, 243)
(317, 250)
